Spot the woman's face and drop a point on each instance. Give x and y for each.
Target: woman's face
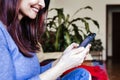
(30, 8)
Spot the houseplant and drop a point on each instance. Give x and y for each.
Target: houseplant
(96, 49)
(63, 29)
(96, 45)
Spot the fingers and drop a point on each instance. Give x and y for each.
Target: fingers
(77, 50)
(74, 56)
(82, 52)
(88, 46)
(70, 47)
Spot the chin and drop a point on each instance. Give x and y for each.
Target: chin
(32, 16)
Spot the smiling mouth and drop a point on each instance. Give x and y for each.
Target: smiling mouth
(35, 9)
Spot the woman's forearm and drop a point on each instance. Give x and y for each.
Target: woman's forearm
(72, 57)
(53, 73)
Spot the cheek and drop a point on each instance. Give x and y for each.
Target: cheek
(26, 10)
(29, 13)
(24, 6)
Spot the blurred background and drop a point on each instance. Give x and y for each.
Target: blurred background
(99, 16)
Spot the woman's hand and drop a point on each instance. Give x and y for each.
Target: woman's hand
(73, 56)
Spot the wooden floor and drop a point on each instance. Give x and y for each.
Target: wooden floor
(113, 70)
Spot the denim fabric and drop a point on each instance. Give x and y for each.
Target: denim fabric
(77, 74)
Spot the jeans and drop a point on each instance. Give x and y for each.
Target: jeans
(77, 74)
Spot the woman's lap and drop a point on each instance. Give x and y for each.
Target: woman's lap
(77, 74)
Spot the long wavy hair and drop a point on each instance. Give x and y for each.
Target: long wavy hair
(27, 32)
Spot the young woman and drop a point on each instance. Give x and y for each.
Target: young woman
(21, 27)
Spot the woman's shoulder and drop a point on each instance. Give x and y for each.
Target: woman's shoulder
(3, 30)
(2, 27)
(5, 37)
(2, 33)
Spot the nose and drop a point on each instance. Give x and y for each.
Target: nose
(42, 3)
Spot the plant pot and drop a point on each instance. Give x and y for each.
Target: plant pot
(97, 55)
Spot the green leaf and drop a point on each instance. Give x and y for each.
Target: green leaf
(58, 34)
(77, 36)
(96, 23)
(67, 38)
(87, 7)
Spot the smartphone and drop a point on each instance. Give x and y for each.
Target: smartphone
(87, 40)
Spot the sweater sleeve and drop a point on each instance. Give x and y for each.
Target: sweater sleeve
(35, 78)
(42, 69)
(7, 70)
(46, 67)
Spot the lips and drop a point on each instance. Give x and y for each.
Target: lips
(35, 9)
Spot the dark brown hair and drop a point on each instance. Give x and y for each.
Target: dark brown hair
(27, 32)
